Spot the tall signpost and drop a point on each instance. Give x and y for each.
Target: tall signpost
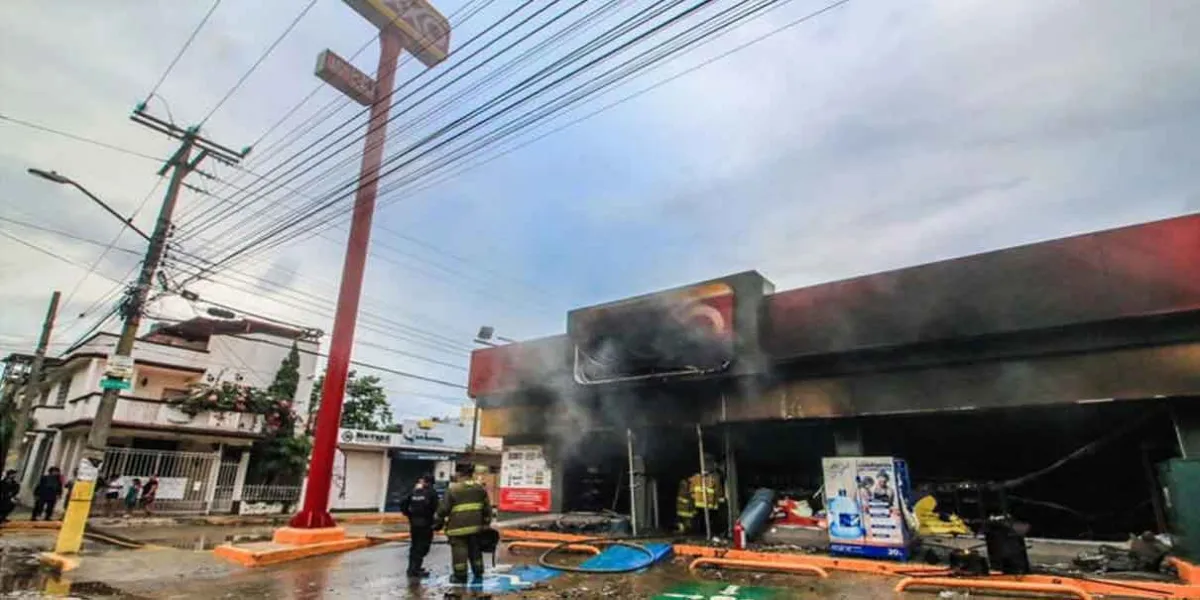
(412, 25)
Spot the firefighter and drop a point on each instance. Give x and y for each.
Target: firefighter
(465, 513)
(685, 510)
(703, 494)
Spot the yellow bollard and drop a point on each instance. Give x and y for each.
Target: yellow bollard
(70, 535)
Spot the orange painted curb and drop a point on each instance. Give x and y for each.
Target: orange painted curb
(372, 519)
(249, 557)
(1188, 572)
(854, 565)
(755, 565)
(28, 525)
(304, 537)
(992, 584)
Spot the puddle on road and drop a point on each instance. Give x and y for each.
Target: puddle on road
(201, 539)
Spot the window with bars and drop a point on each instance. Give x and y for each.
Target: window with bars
(64, 390)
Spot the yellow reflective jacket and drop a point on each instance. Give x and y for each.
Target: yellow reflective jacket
(707, 491)
(464, 509)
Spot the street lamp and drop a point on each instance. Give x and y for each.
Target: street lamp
(487, 333)
(56, 177)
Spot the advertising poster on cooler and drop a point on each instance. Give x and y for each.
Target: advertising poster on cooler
(865, 499)
(524, 480)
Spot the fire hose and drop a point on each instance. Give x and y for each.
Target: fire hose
(626, 542)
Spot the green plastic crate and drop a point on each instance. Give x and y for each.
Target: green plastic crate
(1181, 481)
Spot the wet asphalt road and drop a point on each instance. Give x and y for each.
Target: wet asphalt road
(181, 569)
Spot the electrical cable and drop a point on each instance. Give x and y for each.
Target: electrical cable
(96, 263)
(266, 53)
(283, 227)
(235, 206)
(78, 138)
(374, 367)
(182, 50)
(625, 26)
(67, 235)
(323, 307)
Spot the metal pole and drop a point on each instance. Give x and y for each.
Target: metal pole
(33, 387)
(315, 513)
(474, 430)
(703, 482)
(633, 504)
(70, 536)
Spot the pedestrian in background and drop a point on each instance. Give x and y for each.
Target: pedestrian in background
(131, 496)
(112, 494)
(420, 506)
(45, 496)
(10, 488)
(149, 493)
(466, 513)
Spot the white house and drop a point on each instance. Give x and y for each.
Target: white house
(192, 455)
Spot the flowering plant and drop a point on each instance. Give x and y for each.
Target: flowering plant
(227, 396)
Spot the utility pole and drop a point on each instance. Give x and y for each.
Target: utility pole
(33, 387)
(120, 364)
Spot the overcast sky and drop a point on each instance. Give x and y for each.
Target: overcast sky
(878, 135)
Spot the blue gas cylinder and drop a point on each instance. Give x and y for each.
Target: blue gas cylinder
(754, 518)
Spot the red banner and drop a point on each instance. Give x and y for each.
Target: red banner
(524, 500)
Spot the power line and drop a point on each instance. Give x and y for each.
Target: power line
(43, 250)
(112, 244)
(341, 101)
(182, 50)
(456, 79)
(315, 231)
(66, 234)
(78, 138)
(395, 160)
(233, 207)
(365, 365)
(258, 62)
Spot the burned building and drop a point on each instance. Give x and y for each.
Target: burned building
(1056, 375)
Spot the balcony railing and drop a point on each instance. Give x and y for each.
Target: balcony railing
(160, 414)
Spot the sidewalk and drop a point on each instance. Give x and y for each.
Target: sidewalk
(210, 520)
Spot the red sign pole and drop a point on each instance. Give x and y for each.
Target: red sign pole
(315, 514)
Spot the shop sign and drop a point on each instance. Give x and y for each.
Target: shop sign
(369, 438)
(525, 480)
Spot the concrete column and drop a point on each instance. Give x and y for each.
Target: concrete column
(847, 439)
(56, 453)
(385, 470)
(214, 473)
(239, 480)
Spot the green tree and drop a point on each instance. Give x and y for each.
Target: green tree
(365, 405)
(283, 456)
(287, 378)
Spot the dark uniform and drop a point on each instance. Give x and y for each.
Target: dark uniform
(420, 506)
(9, 490)
(465, 512)
(49, 489)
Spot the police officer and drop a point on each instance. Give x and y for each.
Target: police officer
(420, 506)
(465, 512)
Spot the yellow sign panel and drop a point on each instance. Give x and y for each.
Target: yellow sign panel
(423, 30)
